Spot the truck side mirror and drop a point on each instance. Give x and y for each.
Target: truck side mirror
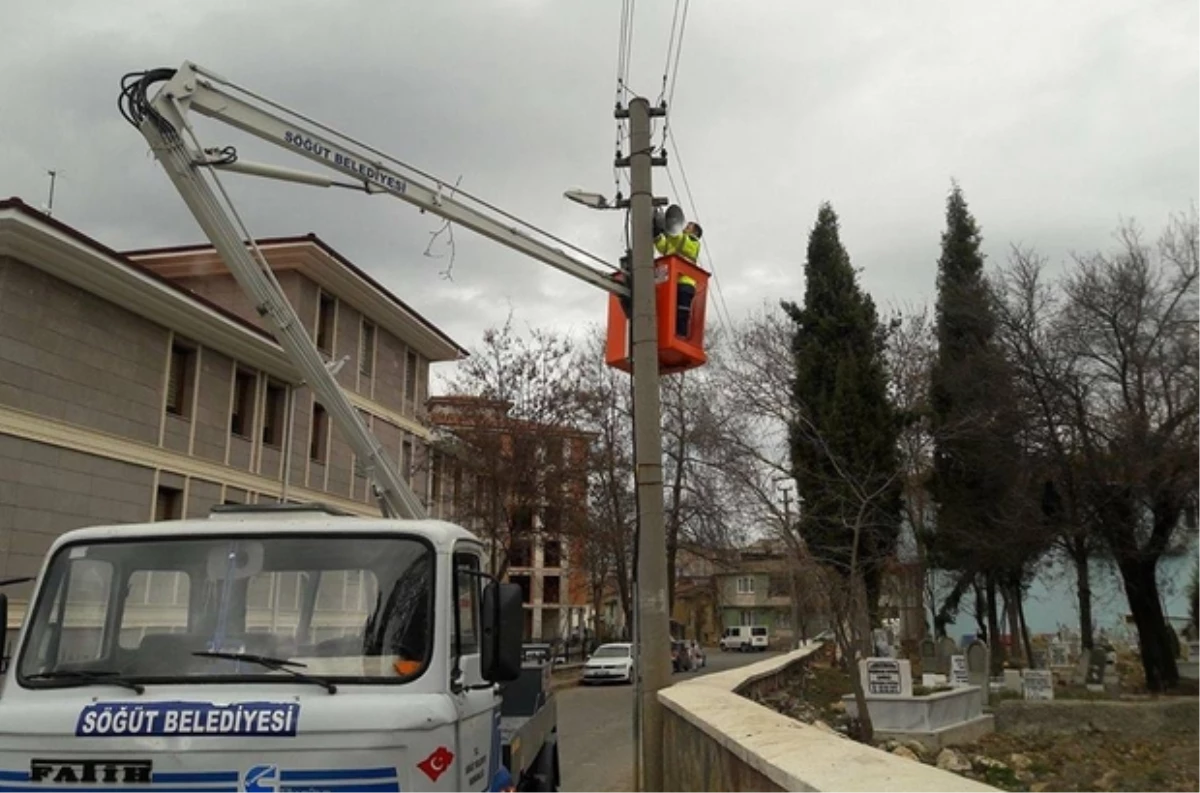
(503, 623)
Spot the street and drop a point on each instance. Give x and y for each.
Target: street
(595, 725)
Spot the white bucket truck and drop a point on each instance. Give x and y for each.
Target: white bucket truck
(272, 648)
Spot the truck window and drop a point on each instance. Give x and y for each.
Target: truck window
(156, 601)
(68, 630)
(467, 599)
(351, 609)
(758, 631)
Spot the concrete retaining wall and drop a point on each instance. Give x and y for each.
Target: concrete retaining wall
(717, 739)
(1147, 717)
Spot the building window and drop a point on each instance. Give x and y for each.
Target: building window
(366, 349)
(521, 554)
(179, 379)
(274, 414)
(320, 429)
(747, 618)
(552, 553)
(410, 376)
(526, 587)
(745, 585)
(551, 589)
(241, 420)
(168, 503)
(435, 479)
(406, 461)
(325, 323)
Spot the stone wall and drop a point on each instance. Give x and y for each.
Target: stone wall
(718, 739)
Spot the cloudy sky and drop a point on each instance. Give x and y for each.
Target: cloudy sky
(1057, 119)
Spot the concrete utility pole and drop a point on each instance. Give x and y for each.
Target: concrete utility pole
(652, 622)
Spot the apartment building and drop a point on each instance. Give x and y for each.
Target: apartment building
(540, 473)
(142, 386)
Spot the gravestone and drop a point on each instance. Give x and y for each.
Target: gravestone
(1193, 651)
(978, 661)
(928, 651)
(1058, 654)
(945, 648)
(958, 671)
(886, 677)
(1038, 684)
(1012, 680)
(1097, 664)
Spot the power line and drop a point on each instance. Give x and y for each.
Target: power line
(675, 70)
(706, 250)
(670, 46)
(674, 46)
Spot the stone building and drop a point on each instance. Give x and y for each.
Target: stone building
(142, 386)
(540, 472)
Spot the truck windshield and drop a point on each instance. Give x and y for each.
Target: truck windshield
(350, 609)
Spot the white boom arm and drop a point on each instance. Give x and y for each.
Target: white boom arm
(163, 121)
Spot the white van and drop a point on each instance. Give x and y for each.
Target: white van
(745, 638)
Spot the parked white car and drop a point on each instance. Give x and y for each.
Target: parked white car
(610, 662)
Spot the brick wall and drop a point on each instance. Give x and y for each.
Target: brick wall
(69, 355)
(45, 491)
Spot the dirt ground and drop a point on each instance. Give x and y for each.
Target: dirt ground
(1084, 761)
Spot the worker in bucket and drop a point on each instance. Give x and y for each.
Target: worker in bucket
(684, 243)
(685, 294)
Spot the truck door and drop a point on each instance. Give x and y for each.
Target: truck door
(477, 702)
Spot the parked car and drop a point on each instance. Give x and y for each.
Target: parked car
(610, 662)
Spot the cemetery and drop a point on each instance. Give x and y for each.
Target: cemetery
(1076, 720)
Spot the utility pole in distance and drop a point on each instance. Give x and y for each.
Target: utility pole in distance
(792, 583)
(652, 621)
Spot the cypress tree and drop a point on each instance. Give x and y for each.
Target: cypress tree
(845, 446)
(976, 454)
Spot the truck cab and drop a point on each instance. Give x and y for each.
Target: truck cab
(261, 649)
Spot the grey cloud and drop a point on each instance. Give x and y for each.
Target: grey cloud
(1057, 119)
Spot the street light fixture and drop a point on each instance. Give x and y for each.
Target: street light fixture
(593, 200)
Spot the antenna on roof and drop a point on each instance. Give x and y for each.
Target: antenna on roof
(50, 203)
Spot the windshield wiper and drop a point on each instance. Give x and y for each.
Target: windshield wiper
(87, 677)
(274, 664)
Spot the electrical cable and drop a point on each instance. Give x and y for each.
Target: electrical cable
(705, 249)
(670, 46)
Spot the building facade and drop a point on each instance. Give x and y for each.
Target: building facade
(142, 386)
(519, 485)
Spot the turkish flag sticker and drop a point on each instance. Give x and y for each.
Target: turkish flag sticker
(436, 764)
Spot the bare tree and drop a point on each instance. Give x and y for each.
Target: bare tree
(754, 375)
(1042, 360)
(910, 353)
(509, 420)
(606, 411)
(1115, 349)
(843, 570)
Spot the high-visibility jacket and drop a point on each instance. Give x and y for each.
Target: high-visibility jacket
(681, 244)
(687, 280)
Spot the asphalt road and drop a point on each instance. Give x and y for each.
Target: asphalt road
(595, 727)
